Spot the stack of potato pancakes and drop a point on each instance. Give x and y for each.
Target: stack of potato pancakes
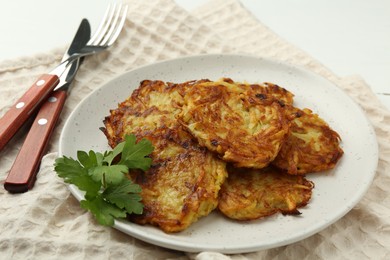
(242, 148)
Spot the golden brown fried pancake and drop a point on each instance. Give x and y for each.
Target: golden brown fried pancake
(181, 186)
(311, 146)
(183, 182)
(243, 126)
(249, 194)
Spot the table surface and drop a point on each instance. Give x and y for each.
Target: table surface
(349, 37)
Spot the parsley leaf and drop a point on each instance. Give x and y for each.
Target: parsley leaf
(73, 172)
(103, 211)
(89, 160)
(125, 195)
(109, 174)
(134, 155)
(111, 155)
(109, 194)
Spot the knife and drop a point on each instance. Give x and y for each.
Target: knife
(22, 175)
(25, 107)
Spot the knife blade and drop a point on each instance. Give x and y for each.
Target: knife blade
(15, 117)
(23, 172)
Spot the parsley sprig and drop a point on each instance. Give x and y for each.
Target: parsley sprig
(108, 193)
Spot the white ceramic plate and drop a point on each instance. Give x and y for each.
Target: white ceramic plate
(336, 192)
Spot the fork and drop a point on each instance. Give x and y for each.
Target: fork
(106, 34)
(28, 104)
(22, 175)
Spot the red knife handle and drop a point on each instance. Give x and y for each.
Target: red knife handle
(23, 173)
(23, 108)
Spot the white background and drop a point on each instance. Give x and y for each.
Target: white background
(347, 36)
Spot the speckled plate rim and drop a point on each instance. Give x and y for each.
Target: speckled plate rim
(336, 192)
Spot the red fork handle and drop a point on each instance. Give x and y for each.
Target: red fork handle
(23, 173)
(25, 106)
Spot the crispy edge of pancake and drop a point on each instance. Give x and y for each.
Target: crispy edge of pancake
(312, 146)
(250, 194)
(280, 94)
(242, 126)
(266, 90)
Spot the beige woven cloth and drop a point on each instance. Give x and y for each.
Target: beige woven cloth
(48, 223)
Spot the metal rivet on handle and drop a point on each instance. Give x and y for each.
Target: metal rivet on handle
(20, 105)
(52, 99)
(42, 121)
(40, 82)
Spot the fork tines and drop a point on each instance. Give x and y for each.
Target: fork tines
(110, 26)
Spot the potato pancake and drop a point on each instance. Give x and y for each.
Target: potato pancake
(249, 194)
(183, 182)
(311, 146)
(181, 186)
(243, 126)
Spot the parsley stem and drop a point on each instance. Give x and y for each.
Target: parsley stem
(104, 181)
